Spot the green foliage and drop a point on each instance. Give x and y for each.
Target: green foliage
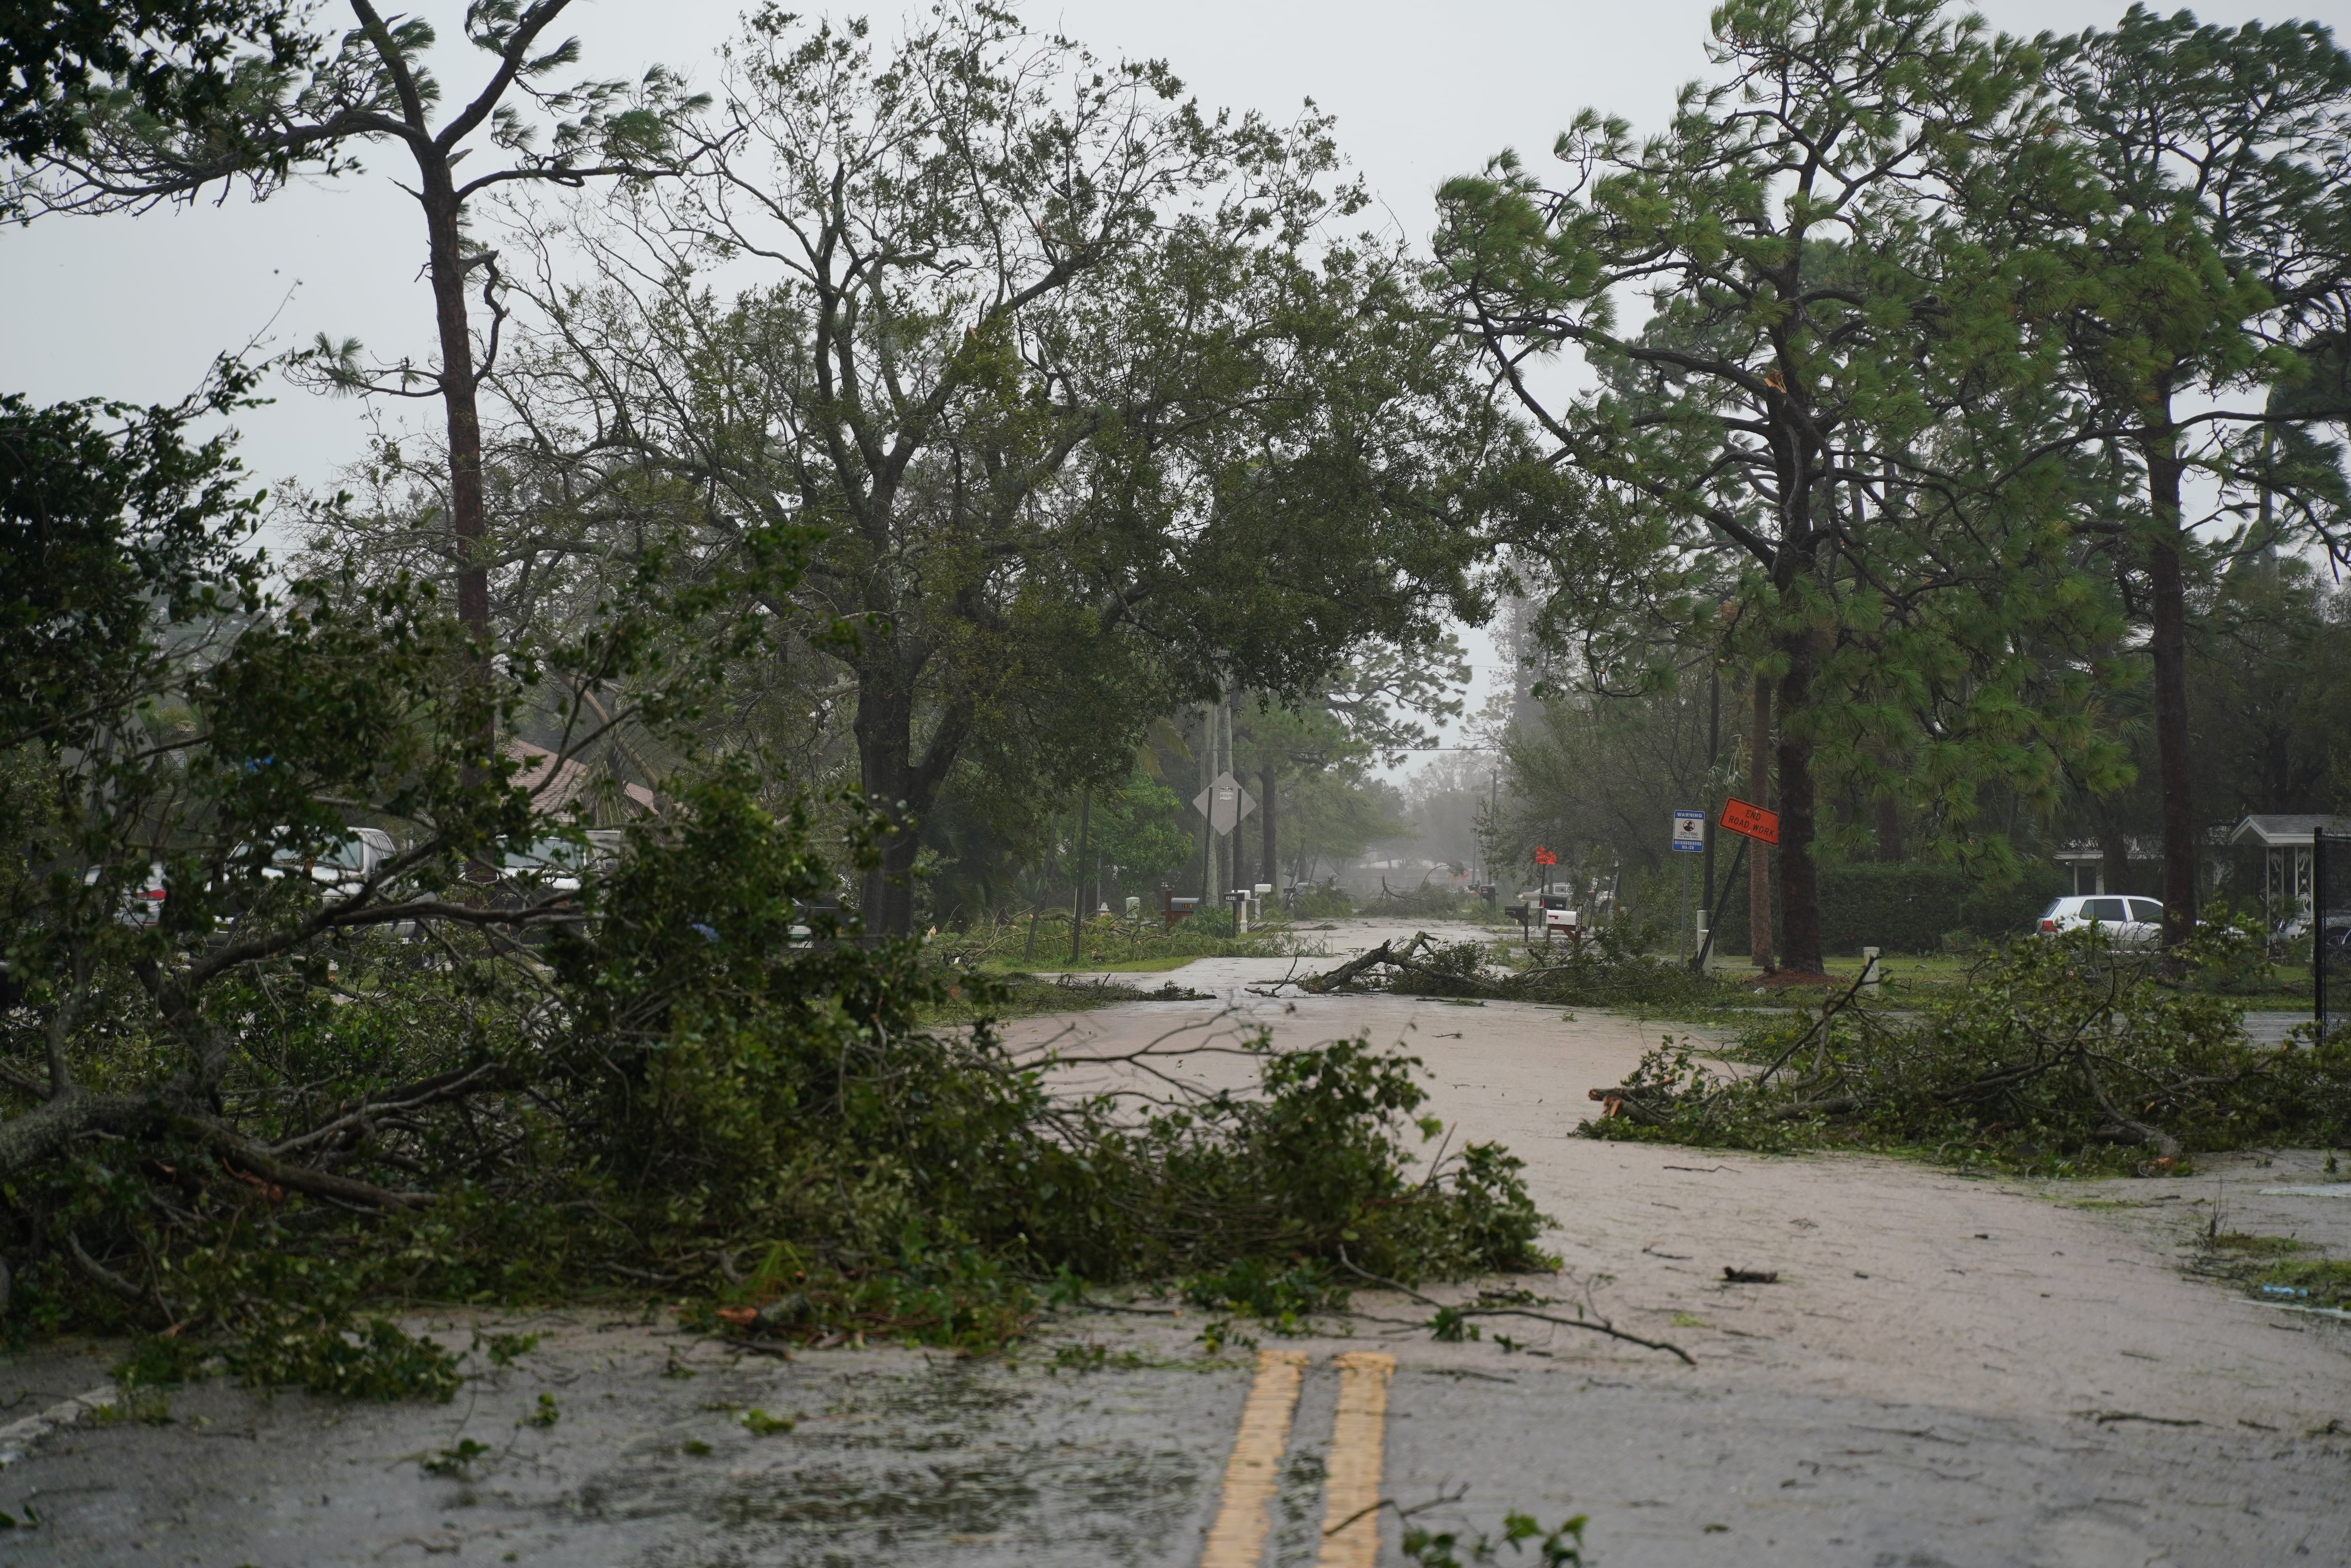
(457, 1461)
(1613, 967)
(1320, 903)
(1559, 1547)
(2059, 1055)
(180, 62)
(1795, 283)
(374, 1358)
(715, 1084)
(1285, 1298)
(159, 1361)
(1430, 901)
(1910, 908)
(1140, 829)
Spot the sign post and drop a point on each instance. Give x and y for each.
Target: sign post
(1690, 839)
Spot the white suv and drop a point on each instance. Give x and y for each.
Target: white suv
(2128, 921)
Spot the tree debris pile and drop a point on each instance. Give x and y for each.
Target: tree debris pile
(2062, 1055)
(1612, 968)
(676, 1093)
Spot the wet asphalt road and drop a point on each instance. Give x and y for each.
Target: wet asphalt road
(1949, 1373)
(904, 1458)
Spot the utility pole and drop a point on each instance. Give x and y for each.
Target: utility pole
(1493, 829)
(1078, 876)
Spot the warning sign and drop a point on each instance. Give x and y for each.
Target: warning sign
(1751, 822)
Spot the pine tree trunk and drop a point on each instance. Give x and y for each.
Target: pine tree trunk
(2168, 647)
(459, 397)
(1759, 863)
(1799, 901)
(1888, 813)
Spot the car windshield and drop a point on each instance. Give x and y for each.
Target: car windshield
(350, 853)
(544, 855)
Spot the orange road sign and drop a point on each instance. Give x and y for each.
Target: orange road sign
(1751, 822)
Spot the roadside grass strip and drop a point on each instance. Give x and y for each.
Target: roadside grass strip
(1238, 1538)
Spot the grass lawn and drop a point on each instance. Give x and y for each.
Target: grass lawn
(2288, 989)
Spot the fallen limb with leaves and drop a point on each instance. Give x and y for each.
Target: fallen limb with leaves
(2064, 1053)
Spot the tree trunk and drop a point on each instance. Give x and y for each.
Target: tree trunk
(885, 744)
(1888, 812)
(1265, 811)
(459, 396)
(1800, 894)
(1078, 878)
(1713, 761)
(2167, 646)
(1759, 792)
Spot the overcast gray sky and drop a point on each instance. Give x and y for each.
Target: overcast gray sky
(136, 308)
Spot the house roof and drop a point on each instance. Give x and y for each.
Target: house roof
(561, 782)
(2286, 827)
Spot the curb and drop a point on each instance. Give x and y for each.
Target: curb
(18, 1435)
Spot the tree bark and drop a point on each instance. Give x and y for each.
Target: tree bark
(459, 394)
(1759, 792)
(1078, 881)
(1800, 902)
(896, 786)
(1888, 813)
(1265, 811)
(2168, 647)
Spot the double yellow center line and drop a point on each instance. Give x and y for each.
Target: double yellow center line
(1351, 1490)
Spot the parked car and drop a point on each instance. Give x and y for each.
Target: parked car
(2128, 921)
(344, 866)
(556, 865)
(143, 905)
(529, 871)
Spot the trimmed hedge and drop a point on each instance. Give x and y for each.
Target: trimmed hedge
(1907, 908)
